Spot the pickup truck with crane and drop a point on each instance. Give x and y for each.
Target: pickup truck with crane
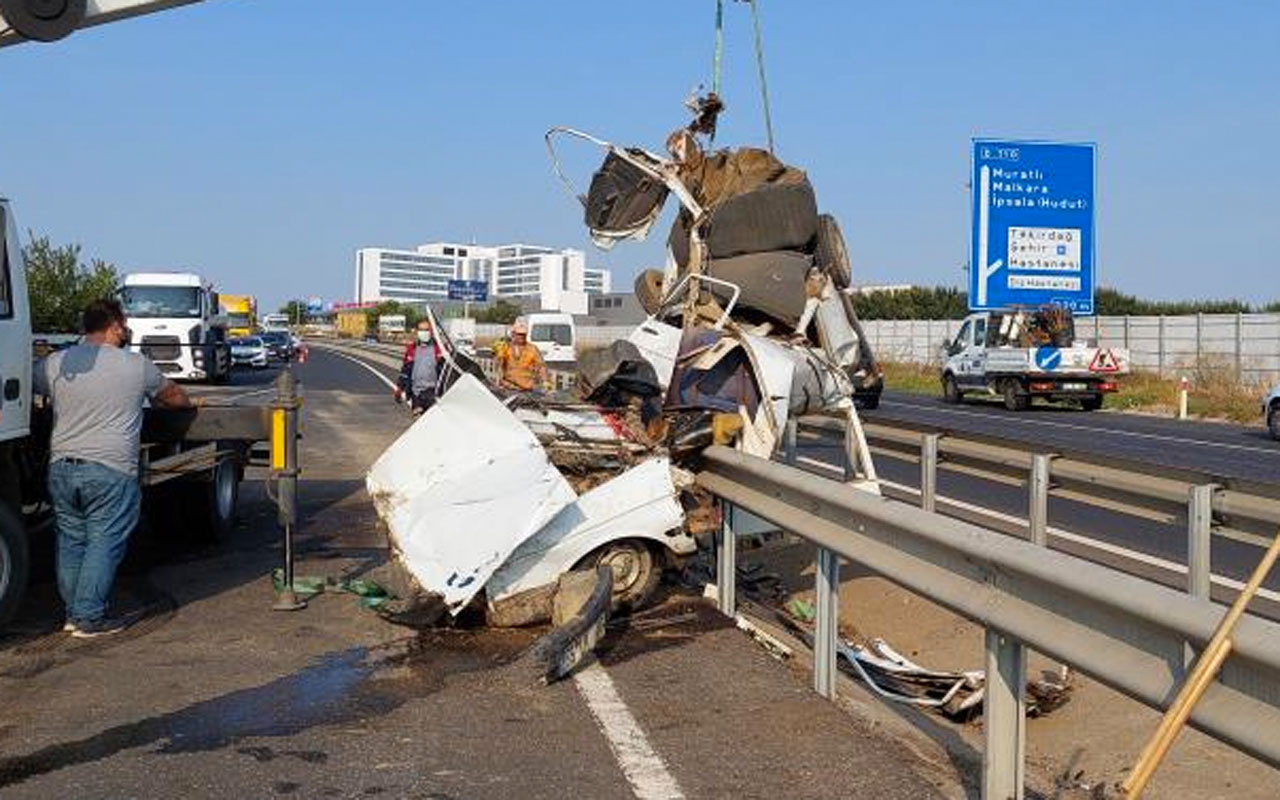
(1021, 354)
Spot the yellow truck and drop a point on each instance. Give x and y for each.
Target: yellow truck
(241, 311)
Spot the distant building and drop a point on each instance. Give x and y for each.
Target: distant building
(541, 278)
(616, 308)
(887, 288)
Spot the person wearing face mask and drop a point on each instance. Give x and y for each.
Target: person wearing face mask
(97, 390)
(420, 370)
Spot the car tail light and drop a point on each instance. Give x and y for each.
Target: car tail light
(1042, 386)
(1108, 386)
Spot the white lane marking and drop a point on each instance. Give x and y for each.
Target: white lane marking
(1089, 429)
(355, 360)
(644, 768)
(1061, 533)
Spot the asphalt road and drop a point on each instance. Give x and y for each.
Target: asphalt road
(213, 694)
(1227, 450)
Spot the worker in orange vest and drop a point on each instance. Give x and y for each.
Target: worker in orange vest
(520, 365)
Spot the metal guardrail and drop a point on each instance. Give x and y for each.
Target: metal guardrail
(1210, 505)
(1128, 633)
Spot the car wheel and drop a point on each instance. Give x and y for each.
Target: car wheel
(649, 290)
(951, 390)
(1273, 420)
(868, 401)
(636, 571)
(15, 563)
(1091, 403)
(1014, 398)
(830, 253)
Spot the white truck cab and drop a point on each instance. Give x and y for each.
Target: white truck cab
(175, 321)
(1020, 354)
(1271, 412)
(554, 335)
(15, 334)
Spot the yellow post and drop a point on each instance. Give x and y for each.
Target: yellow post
(277, 439)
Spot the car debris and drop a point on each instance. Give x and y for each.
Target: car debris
(491, 496)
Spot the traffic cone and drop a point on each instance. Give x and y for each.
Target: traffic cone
(302, 355)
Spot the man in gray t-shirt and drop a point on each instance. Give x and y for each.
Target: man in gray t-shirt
(97, 390)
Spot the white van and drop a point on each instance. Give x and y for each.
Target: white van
(554, 335)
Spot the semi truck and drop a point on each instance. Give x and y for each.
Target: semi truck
(192, 459)
(1021, 354)
(175, 320)
(241, 311)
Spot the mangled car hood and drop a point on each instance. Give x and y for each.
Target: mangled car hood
(462, 488)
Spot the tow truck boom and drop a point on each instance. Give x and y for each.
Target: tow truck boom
(50, 20)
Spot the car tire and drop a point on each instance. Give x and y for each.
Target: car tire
(1273, 421)
(649, 290)
(1091, 403)
(951, 390)
(637, 570)
(15, 563)
(867, 401)
(830, 253)
(1014, 398)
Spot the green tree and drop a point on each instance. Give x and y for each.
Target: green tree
(60, 286)
(391, 307)
(501, 313)
(295, 310)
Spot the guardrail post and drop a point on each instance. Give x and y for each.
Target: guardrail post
(1199, 540)
(929, 471)
(789, 442)
(284, 469)
(1038, 499)
(726, 563)
(1004, 718)
(826, 628)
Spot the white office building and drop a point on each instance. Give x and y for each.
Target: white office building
(539, 277)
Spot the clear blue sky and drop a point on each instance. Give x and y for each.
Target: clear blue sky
(263, 141)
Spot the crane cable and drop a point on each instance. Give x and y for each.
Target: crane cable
(759, 47)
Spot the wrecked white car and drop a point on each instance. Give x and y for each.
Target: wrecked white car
(497, 497)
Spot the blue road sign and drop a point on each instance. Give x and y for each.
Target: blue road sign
(1033, 225)
(475, 291)
(314, 305)
(1048, 358)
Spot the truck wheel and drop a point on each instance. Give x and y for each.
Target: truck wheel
(1273, 420)
(636, 571)
(210, 505)
(830, 253)
(1014, 398)
(15, 563)
(951, 390)
(1091, 403)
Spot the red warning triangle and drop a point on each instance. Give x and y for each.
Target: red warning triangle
(1105, 361)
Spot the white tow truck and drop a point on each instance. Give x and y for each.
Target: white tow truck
(176, 322)
(1021, 354)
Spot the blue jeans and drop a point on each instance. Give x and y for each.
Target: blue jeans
(94, 509)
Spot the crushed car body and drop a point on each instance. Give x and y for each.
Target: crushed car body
(491, 497)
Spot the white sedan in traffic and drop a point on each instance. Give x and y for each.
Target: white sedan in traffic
(248, 351)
